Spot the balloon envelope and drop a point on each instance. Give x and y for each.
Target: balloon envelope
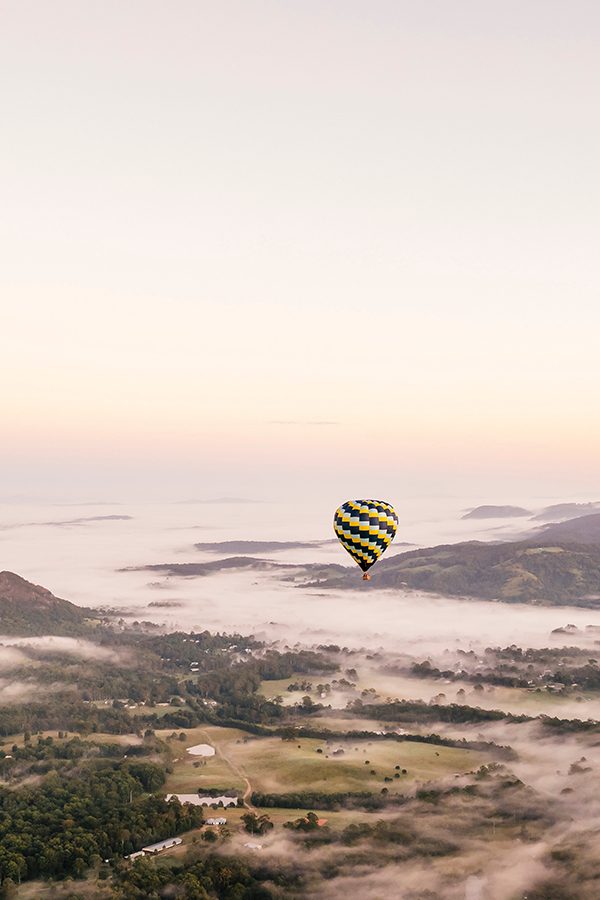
(365, 528)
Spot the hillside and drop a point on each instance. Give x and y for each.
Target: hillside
(582, 530)
(512, 572)
(27, 609)
(566, 511)
(496, 512)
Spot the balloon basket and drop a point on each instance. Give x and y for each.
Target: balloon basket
(366, 577)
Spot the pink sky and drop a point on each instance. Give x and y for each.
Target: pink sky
(221, 217)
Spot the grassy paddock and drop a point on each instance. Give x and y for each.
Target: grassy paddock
(277, 766)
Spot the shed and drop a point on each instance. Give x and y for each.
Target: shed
(162, 845)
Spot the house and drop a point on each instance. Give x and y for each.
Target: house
(135, 855)
(252, 845)
(162, 845)
(219, 820)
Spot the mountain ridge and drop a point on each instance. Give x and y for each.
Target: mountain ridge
(29, 610)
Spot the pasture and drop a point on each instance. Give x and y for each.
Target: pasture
(271, 765)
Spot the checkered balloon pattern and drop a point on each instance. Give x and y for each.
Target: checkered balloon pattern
(365, 528)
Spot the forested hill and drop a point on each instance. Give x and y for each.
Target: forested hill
(512, 572)
(27, 609)
(582, 530)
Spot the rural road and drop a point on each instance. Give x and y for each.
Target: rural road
(236, 770)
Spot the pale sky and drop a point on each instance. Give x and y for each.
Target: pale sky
(267, 246)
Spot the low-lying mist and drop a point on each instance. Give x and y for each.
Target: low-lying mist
(52, 644)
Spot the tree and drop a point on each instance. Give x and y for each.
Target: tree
(256, 824)
(309, 822)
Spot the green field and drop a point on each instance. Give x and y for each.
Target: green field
(275, 766)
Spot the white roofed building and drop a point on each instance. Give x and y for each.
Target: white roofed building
(162, 845)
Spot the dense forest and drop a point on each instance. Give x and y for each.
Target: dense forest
(64, 825)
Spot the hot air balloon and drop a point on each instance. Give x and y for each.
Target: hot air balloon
(365, 528)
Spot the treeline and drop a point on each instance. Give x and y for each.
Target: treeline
(64, 826)
(417, 710)
(318, 800)
(325, 734)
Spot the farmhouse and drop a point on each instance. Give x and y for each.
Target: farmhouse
(219, 820)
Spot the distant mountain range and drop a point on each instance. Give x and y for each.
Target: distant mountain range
(566, 511)
(260, 546)
(496, 512)
(28, 610)
(559, 564)
(555, 513)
